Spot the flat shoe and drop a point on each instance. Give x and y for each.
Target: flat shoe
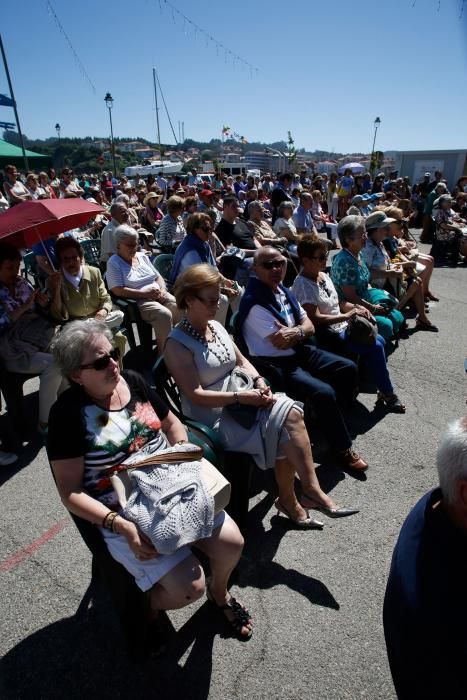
(422, 326)
(331, 512)
(392, 403)
(431, 297)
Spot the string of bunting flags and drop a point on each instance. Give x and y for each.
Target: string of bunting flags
(209, 39)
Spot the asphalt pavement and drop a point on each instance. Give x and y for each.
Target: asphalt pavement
(316, 596)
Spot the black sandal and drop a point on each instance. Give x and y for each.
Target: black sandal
(392, 402)
(241, 615)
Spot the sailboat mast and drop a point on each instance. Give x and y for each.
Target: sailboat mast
(157, 113)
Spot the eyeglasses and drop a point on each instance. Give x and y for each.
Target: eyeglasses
(206, 229)
(104, 361)
(273, 264)
(209, 302)
(322, 285)
(321, 258)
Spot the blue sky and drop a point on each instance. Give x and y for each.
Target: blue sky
(326, 70)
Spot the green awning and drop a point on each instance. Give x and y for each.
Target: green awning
(14, 155)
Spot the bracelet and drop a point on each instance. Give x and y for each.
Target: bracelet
(302, 332)
(235, 394)
(108, 521)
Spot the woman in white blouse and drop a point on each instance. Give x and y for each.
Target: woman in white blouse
(315, 291)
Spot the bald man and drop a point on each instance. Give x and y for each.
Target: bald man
(275, 330)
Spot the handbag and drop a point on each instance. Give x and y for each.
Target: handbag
(361, 330)
(381, 297)
(244, 415)
(216, 483)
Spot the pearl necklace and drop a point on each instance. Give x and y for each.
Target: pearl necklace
(224, 351)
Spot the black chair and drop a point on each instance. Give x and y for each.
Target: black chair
(236, 466)
(92, 251)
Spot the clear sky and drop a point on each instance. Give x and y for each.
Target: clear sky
(326, 70)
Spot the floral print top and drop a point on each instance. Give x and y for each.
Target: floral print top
(443, 216)
(9, 302)
(347, 271)
(104, 438)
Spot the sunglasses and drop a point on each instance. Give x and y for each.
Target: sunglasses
(209, 302)
(274, 264)
(320, 257)
(104, 361)
(322, 285)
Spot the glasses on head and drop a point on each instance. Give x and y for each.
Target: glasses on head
(103, 361)
(273, 264)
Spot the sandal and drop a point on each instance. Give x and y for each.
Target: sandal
(392, 402)
(431, 297)
(241, 616)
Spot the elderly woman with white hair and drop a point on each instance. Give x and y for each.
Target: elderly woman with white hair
(101, 420)
(131, 275)
(285, 225)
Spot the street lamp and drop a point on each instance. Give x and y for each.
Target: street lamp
(109, 102)
(376, 123)
(58, 129)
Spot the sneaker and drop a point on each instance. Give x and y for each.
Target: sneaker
(352, 460)
(7, 458)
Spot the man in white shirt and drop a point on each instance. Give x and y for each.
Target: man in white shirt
(119, 214)
(275, 328)
(161, 182)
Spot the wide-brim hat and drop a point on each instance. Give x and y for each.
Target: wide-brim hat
(152, 195)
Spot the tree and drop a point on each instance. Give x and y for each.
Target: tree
(14, 138)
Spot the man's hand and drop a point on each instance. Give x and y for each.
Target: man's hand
(285, 337)
(101, 315)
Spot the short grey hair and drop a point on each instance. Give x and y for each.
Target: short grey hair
(451, 459)
(122, 199)
(285, 205)
(69, 344)
(125, 231)
(348, 227)
(256, 204)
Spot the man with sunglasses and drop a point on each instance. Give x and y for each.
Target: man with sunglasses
(273, 327)
(68, 187)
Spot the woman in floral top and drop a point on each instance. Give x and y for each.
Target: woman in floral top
(351, 277)
(99, 422)
(448, 231)
(21, 350)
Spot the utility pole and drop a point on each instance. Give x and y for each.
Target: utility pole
(12, 95)
(157, 113)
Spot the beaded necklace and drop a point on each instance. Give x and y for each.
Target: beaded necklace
(224, 352)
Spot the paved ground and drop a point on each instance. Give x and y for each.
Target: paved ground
(316, 596)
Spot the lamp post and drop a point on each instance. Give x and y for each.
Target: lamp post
(109, 101)
(376, 124)
(58, 129)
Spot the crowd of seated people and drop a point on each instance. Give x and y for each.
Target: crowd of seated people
(251, 249)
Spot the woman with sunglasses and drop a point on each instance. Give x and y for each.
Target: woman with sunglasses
(97, 423)
(382, 270)
(315, 291)
(201, 357)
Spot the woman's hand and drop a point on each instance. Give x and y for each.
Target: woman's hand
(140, 545)
(101, 315)
(153, 294)
(256, 397)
